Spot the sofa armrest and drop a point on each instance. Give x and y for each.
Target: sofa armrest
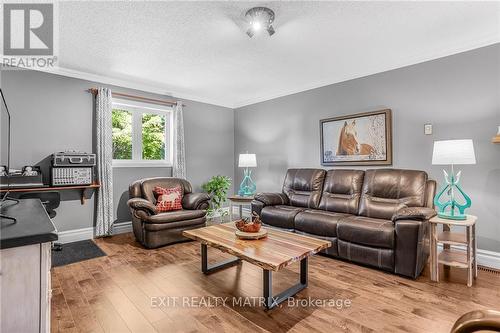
(272, 199)
(195, 201)
(257, 207)
(412, 246)
(142, 205)
(268, 199)
(414, 213)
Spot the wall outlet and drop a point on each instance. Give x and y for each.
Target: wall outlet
(428, 129)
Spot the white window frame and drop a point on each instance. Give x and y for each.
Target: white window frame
(137, 109)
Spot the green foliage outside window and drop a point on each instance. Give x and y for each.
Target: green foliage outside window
(122, 134)
(153, 135)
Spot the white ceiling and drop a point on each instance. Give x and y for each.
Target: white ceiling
(199, 50)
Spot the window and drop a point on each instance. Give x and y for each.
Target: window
(142, 134)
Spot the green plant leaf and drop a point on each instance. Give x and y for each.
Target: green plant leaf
(217, 188)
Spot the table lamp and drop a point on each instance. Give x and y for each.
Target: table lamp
(452, 152)
(247, 186)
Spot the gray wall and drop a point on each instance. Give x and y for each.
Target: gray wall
(52, 113)
(459, 95)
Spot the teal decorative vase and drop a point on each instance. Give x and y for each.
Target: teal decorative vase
(451, 208)
(247, 186)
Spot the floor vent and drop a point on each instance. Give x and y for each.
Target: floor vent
(489, 270)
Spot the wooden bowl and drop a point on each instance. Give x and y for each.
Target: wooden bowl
(244, 226)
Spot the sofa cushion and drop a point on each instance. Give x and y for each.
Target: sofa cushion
(367, 231)
(331, 251)
(342, 190)
(280, 216)
(318, 222)
(366, 255)
(385, 191)
(303, 187)
(174, 216)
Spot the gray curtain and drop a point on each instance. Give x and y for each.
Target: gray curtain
(179, 162)
(104, 149)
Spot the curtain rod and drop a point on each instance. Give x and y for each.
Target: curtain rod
(93, 91)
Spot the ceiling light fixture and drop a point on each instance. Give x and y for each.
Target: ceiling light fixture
(260, 18)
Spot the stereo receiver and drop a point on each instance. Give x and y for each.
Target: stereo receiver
(66, 176)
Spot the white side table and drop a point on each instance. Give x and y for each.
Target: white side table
(239, 201)
(448, 256)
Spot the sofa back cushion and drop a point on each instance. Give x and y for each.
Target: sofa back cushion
(387, 190)
(168, 199)
(341, 191)
(303, 187)
(144, 188)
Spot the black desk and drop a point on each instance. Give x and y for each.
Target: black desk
(33, 225)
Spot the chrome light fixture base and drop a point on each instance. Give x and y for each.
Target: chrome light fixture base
(260, 18)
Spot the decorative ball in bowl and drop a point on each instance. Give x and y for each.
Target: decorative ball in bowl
(246, 226)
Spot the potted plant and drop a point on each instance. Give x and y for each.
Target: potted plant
(217, 188)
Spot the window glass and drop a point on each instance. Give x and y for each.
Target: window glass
(153, 136)
(122, 134)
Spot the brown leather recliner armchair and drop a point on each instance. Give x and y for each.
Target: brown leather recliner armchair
(153, 229)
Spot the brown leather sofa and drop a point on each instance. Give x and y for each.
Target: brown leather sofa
(153, 229)
(376, 217)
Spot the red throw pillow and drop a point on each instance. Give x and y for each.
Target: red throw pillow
(168, 199)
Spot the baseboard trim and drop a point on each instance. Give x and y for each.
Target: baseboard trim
(76, 235)
(484, 257)
(247, 212)
(70, 236)
(223, 210)
(122, 227)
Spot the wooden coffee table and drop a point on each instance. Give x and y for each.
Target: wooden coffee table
(278, 250)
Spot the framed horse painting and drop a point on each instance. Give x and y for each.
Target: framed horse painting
(357, 139)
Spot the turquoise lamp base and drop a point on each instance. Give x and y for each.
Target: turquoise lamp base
(449, 216)
(451, 209)
(247, 186)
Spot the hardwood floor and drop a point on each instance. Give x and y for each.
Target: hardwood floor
(123, 292)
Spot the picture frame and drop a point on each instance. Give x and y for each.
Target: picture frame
(357, 139)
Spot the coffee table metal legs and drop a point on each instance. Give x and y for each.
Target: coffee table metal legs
(269, 300)
(272, 301)
(207, 269)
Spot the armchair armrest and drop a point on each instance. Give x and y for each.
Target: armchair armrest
(195, 201)
(414, 213)
(142, 205)
(272, 199)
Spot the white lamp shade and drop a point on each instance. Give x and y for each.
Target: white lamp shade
(453, 152)
(247, 161)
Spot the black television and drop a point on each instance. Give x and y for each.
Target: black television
(4, 153)
(4, 142)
